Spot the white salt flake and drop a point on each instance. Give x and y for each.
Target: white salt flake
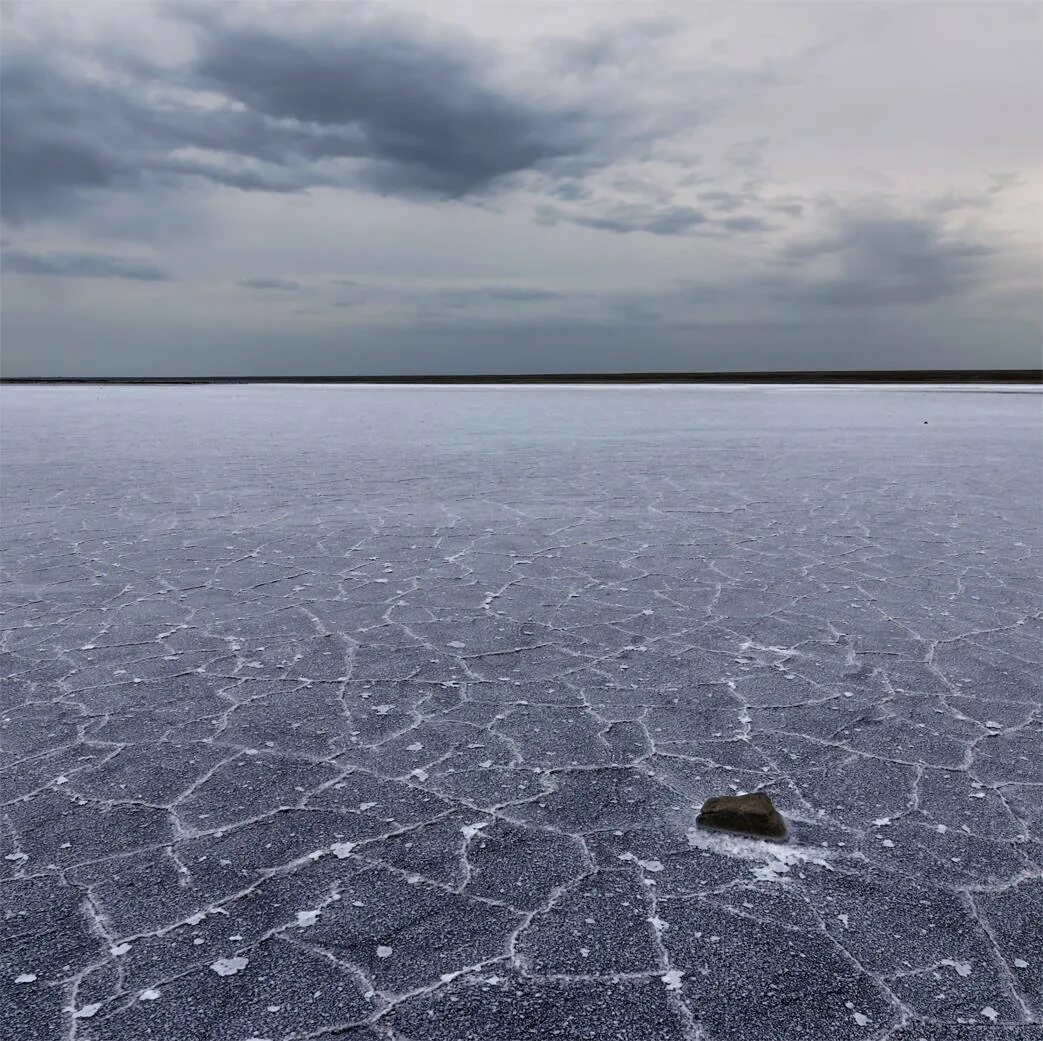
(672, 979)
(149, 995)
(414, 747)
(17, 856)
(888, 843)
(383, 952)
(470, 830)
(860, 1018)
(25, 977)
(1020, 963)
(420, 775)
(993, 725)
(882, 822)
(306, 918)
(229, 966)
(342, 849)
(843, 920)
(88, 1010)
(990, 1013)
(961, 968)
(119, 949)
(455, 643)
(646, 865)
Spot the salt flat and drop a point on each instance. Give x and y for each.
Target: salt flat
(386, 712)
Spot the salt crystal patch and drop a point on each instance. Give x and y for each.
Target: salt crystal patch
(993, 724)
(148, 995)
(455, 643)
(961, 968)
(990, 1013)
(88, 1010)
(342, 849)
(119, 949)
(470, 830)
(420, 775)
(861, 1019)
(888, 843)
(306, 918)
(1020, 963)
(383, 952)
(414, 747)
(672, 979)
(229, 966)
(25, 977)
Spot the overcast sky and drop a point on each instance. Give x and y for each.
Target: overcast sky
(350, 188)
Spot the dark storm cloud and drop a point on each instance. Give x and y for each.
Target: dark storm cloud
(82, 265)
(419, 110)
(283, 285)
(891, 260)
(375, 103)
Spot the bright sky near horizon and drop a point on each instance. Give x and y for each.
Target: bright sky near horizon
(307, 189)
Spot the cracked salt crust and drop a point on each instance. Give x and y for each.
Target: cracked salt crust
(207, 687)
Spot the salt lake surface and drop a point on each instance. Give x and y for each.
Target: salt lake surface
(386, 713)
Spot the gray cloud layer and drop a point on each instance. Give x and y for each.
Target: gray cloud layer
(418, 189)
(81, 265)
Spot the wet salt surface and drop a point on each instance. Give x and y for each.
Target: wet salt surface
(387, 712)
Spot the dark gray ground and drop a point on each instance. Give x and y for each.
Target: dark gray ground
(386, 713)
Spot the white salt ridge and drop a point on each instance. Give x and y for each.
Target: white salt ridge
(470, 830)
(229, 966)
(306, 918)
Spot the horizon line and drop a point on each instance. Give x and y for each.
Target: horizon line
(760, 376)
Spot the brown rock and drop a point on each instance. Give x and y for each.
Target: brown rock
(749, 814)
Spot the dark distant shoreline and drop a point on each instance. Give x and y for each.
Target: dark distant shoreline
(815, 376)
